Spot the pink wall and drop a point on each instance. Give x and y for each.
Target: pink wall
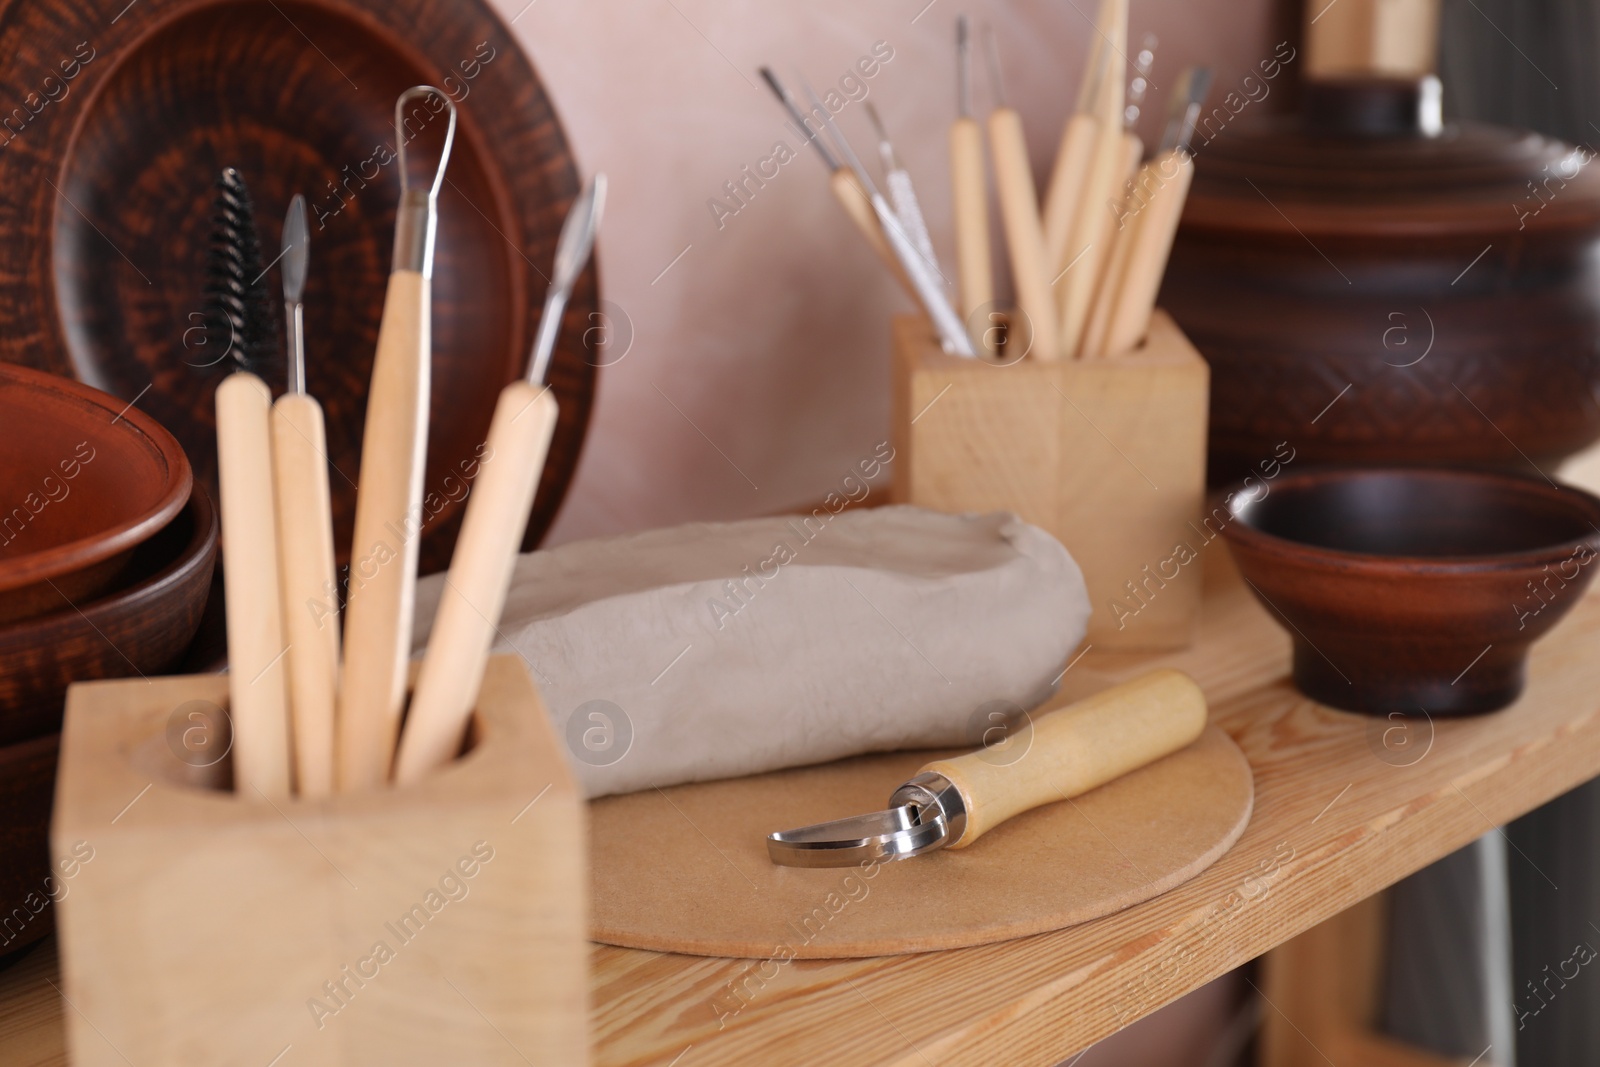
(770, 336)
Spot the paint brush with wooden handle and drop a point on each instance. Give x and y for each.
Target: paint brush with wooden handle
(1168, 176)
(491, 534)
(383, 553)
(1089, 246)
(1019, 210)
(843, 183)
(257, 695)
(305, 536)
(969, 196)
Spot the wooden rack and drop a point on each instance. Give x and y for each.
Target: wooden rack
(1338, 817)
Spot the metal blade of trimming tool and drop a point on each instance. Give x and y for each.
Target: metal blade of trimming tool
(894, 833)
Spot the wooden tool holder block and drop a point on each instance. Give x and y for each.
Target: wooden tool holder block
(1108, 455)
(444, 922)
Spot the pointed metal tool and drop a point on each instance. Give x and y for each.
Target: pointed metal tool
(924, 276)
(572, 252)
(305, 535)
(497, 516)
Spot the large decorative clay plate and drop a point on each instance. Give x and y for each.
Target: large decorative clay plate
(115, 119)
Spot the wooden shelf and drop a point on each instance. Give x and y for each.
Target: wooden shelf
(1345, 805)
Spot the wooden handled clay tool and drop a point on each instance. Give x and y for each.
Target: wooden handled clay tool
(902, 193)
(845, 186)
(1164, 184)
(1089, 245)
(968, 194)
(950, 803)
(257, 692)
(1063, 201)
(383, 553)
(923, 273)
(305, 535)
(1019, 211)
(491, 534)
(1129, 201)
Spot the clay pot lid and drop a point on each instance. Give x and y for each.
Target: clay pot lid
(1361, 160)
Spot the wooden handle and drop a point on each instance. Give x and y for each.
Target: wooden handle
(1171, 175)
(306, 578)
(1019, 210)
(857, 203)
(1090, 240)
(480, 573)
(1131, 198)
(974, 269)
(1387, 38)
(257, 691)
(383, 553)
(1077, 747)
(1063, 202)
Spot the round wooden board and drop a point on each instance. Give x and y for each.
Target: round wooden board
(686, 869)
(131, 112)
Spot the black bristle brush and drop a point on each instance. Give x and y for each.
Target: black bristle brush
(241, 313)
(243, 321)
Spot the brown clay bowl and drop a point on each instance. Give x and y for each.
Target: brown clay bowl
(141, 628)
(1414, 591)
(110, 201)
(84, 479)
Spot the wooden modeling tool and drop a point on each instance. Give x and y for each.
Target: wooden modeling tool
(310, 597)
(1089, 246)
(1167, 177)
(257, 694)
(1128, 202)
(491, 533)
(383, 553)
(1064, 198)
(1019, 210)
(969, 196)
(843, 183)
(950, 803)
(902, 194)
(924, 273)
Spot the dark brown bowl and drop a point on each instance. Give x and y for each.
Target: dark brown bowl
(1413, 591)
(141, 628)
(83, 479)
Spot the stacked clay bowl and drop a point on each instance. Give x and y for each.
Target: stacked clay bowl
(106, 554)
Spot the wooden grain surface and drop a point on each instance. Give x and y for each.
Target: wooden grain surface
(1345, 805)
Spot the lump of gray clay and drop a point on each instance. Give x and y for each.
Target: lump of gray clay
(721, 649)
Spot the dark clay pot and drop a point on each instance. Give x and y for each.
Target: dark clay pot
(1373, 293)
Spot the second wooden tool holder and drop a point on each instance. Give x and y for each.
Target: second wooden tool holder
(1108, 455)
(443, 922)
